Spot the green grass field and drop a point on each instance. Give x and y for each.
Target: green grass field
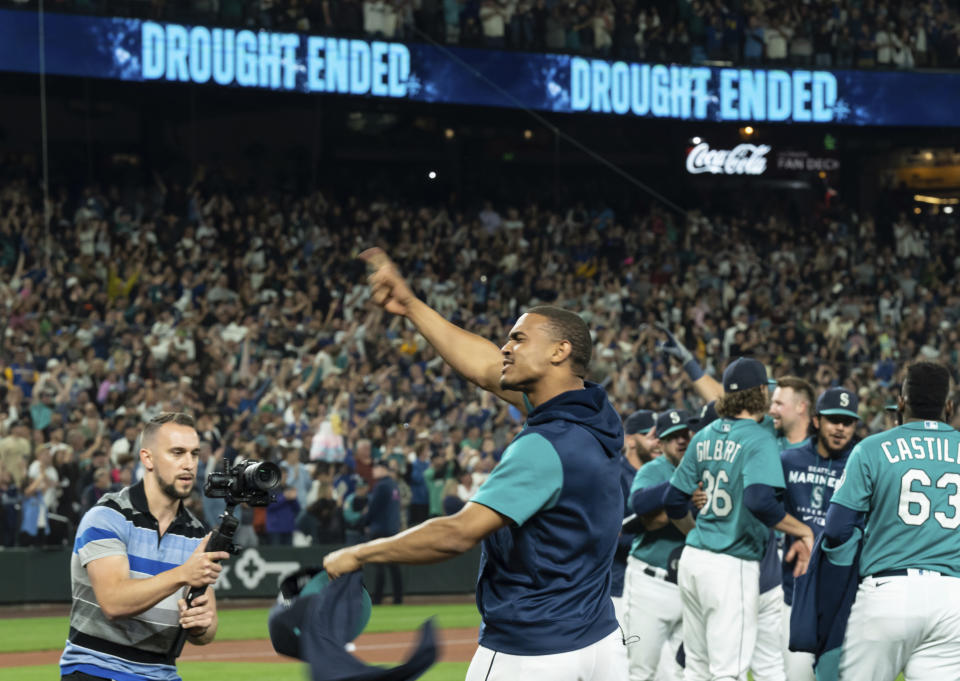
(235, 671)
(48, 633)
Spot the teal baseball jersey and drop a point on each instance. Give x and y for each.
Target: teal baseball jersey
(782, 441)
(728, 456)
(907, 482)
(656, 547)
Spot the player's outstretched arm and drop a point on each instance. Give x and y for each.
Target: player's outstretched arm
(761, 500)
(429, 542)
(708, 388)
(705, 385)
(474, 357)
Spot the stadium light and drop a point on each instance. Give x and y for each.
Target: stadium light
(936, 200)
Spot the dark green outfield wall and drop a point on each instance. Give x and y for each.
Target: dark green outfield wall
(43, 576)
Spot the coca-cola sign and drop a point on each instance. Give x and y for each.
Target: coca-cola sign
(743, 159)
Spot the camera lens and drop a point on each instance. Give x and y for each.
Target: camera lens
(264, 475)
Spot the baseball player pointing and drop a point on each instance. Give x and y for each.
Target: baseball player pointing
(548, 516)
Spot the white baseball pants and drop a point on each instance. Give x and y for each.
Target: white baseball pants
(605, 660)
(908, 624)
(654, 616)
(767, 662)
(799, 666)
(720, 595)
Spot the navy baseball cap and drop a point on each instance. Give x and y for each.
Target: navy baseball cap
(708, 414)
(672, 421)
(839, 402)
(744, 373)
(314, 622)
(640, 422)
(294, 598)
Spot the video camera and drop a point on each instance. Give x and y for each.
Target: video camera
(248, 482)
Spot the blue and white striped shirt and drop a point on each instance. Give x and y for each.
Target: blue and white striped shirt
(136, 648)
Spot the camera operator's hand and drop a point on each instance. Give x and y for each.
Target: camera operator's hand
(198, 616)
(341, 562)
(200, 568)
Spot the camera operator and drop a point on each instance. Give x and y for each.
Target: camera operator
(136, 553)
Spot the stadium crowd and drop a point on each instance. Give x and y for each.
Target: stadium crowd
(821, 33)
(250, 311)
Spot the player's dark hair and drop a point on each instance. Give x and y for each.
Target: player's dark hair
(926, 388)
(569, 326)
(799, 386)
(154, 424)
(751, 400)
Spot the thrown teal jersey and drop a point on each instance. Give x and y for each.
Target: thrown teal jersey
(907, 482)
(657, 547)
(728, 456)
